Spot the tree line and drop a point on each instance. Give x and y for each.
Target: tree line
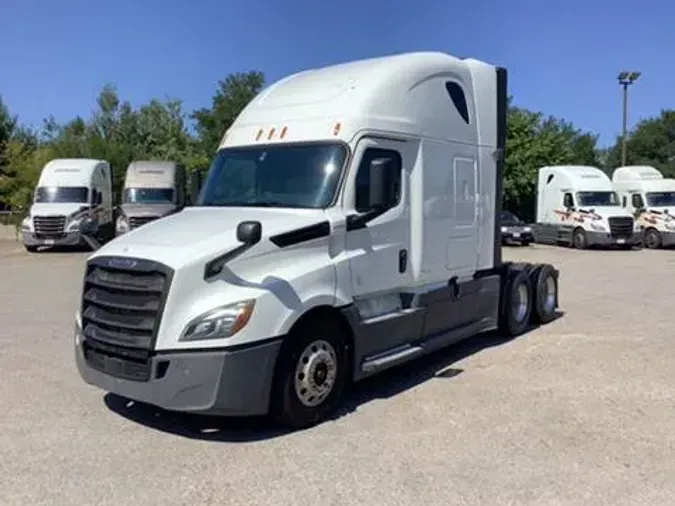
(160, 130)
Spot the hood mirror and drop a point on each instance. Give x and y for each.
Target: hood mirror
(249, 232)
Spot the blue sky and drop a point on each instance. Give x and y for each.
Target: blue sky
(563, 57)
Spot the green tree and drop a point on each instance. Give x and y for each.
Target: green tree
(535, 141)
(232, 95)
(651, 142)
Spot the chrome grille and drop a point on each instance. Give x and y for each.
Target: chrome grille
(122, 305)
(137, 221)
(621, 226)
(49, 226)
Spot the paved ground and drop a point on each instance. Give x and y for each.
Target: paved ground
(579, 412)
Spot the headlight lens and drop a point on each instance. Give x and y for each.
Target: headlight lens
(504, 229)
(598, 226)
(121, 225)
(219, 323)
(25, 224)
(527, 229)
(670, 225)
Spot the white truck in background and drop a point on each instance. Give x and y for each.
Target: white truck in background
(152, 190)
(577, 206)
(72, 204)
(348, 223)
(650, 198)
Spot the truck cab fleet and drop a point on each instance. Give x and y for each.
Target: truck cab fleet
(581, 206)
(73, 201)
(349, 222)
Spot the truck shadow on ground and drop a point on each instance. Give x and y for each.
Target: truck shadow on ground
(385, 385)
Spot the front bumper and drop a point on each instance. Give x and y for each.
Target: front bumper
(517, 237)
(68, 239)
(234, 382)
(606, 239)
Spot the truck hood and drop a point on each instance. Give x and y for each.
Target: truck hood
(143, 210)
(65, 209)
(607, 211)
(197, 233)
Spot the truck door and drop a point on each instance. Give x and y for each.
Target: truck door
(379, 251)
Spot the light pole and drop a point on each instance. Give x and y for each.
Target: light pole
(626, 78)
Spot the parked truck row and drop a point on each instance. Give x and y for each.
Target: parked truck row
(581, 206)
(73, 202)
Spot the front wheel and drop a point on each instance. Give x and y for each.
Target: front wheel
(311, 375)
(579, 238)
(652, 238)
(30, 249)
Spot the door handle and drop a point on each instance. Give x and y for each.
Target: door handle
(402, 260)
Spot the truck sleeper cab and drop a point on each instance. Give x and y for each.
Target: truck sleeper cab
(577, 206)
(650, 198)
(348, 223)
(152, 190)
(72, 201)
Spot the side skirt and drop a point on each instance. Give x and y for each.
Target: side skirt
(427, 322)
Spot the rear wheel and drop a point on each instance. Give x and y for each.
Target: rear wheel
(311, 375)
(579, 238)
(516, 303)
(545, 293)
(652, 238)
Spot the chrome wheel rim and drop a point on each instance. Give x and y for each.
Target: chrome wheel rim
(521, 303)
(549, 294)
(315, 373)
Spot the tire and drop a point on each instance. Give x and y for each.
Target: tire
(515, 312)
(652, 239)
(525, 243)
(579, 238)
(544, 281)
(322, 347)
(31, 249)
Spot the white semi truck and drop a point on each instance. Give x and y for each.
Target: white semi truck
(577, 206)
(72, 204)
(650, 197)
(152, 190)
(348, 223)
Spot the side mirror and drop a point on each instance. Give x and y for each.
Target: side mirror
(249, 232)
(381, 188)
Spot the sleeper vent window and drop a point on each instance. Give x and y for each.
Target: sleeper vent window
(458, 98)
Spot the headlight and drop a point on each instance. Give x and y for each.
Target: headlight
(219, 323)
(598, 226)
(74, 225)
(25, 224)
(527, 229)
(504, 230)
(122, 225)
(670, 225)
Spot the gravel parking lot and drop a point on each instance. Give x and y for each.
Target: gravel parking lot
(581, 411)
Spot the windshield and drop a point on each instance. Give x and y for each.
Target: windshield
(661, 199)
(147, 196)
(597, 199)
(61, 194)
(507, 217)
(304, 176)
